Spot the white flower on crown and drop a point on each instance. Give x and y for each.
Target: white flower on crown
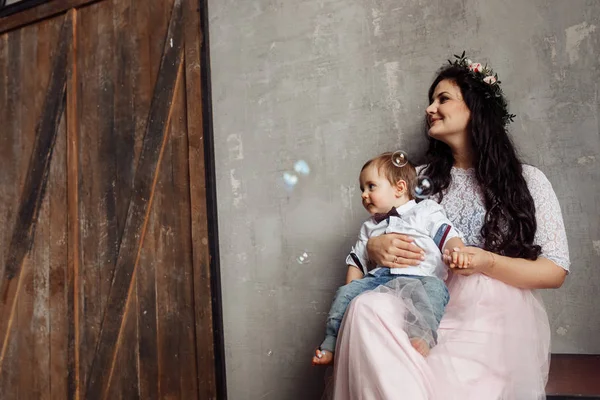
(469, 62)
(490, 79)
(476, 67)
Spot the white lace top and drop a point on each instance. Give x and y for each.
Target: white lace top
(464, 205)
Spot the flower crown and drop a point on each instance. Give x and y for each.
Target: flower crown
(486, 75)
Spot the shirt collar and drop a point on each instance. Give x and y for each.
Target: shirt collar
(404, 208)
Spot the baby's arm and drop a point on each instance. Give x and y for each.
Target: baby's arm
(446, 236)
(358, 258)
(353, 274)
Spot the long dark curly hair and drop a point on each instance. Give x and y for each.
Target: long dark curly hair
(510, 225)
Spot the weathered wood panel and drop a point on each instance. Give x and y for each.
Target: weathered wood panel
(105, 290)
(34, 246)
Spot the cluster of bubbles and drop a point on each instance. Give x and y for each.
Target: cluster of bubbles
(290, 179)
(424, 186)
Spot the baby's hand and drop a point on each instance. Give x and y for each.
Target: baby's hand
(460, 258)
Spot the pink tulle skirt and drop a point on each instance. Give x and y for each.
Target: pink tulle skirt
(493, 344)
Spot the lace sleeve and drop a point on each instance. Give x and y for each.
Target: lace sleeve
(550, 232)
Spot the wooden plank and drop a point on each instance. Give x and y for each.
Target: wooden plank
(207, 384)
(7, 178)
(58, 300)
(72, 289)
(145, 66)
(124, 48)
(23, 310)
(34, 188)
(574, 375)
(181, 295)
(144, 185)
(171, 222)
(40, 12)
(165, 227)
(11, 167)
(148, 319)
(120, 169)
(58, 349)
(108, 235)
(90, 206)
(126, 385)
(33, 301)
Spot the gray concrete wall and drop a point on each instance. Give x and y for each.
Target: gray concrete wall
(334, 82)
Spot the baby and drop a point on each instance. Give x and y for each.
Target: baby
(387, 194)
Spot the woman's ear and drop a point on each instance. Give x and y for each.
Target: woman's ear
(401, 187)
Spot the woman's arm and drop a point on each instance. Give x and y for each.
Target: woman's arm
(548, 271)
(394, 250)
(526, 274)
(519, 272)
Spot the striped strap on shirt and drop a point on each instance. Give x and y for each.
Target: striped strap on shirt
(441, 235)
(358, 263)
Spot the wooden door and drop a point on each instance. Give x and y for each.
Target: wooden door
(104, 253)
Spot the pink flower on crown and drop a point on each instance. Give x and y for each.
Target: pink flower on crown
(490, 79)
(476, 67)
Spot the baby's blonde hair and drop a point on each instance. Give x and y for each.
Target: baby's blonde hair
(393, 173)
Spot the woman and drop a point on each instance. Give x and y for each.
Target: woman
(494, 338)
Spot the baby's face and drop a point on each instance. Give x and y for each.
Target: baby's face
(378, 195)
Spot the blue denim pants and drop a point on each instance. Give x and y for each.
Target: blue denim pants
(436, 291)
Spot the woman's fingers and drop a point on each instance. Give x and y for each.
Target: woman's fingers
(400, 262)
(403, 252)
(402, 247)
(395, 251)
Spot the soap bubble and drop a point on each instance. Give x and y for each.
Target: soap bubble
(424, 187)
(303, 258)
(269, 353)
(290, 179)
(399, 158)
(301, 167)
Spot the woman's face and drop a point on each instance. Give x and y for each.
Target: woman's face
(447, 116)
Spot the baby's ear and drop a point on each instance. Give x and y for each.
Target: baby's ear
(401, 187)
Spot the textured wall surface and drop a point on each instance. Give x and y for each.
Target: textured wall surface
(335, 82)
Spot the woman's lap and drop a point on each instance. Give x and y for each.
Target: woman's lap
(493, 341)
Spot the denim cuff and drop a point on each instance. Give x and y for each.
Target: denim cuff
(329, 344)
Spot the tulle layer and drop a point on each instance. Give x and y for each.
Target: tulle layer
(493, 344)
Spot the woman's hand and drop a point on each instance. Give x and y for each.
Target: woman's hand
(394, 250)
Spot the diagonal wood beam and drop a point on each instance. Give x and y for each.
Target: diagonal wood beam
(146, 176)
(36, 180)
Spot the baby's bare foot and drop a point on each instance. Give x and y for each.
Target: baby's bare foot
(421, 346)
(322, 357)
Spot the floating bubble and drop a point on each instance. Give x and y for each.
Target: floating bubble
(301, 167)
(269, 353)
(290, 179)
(424, 187)
(303, 258)
(399, 158)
